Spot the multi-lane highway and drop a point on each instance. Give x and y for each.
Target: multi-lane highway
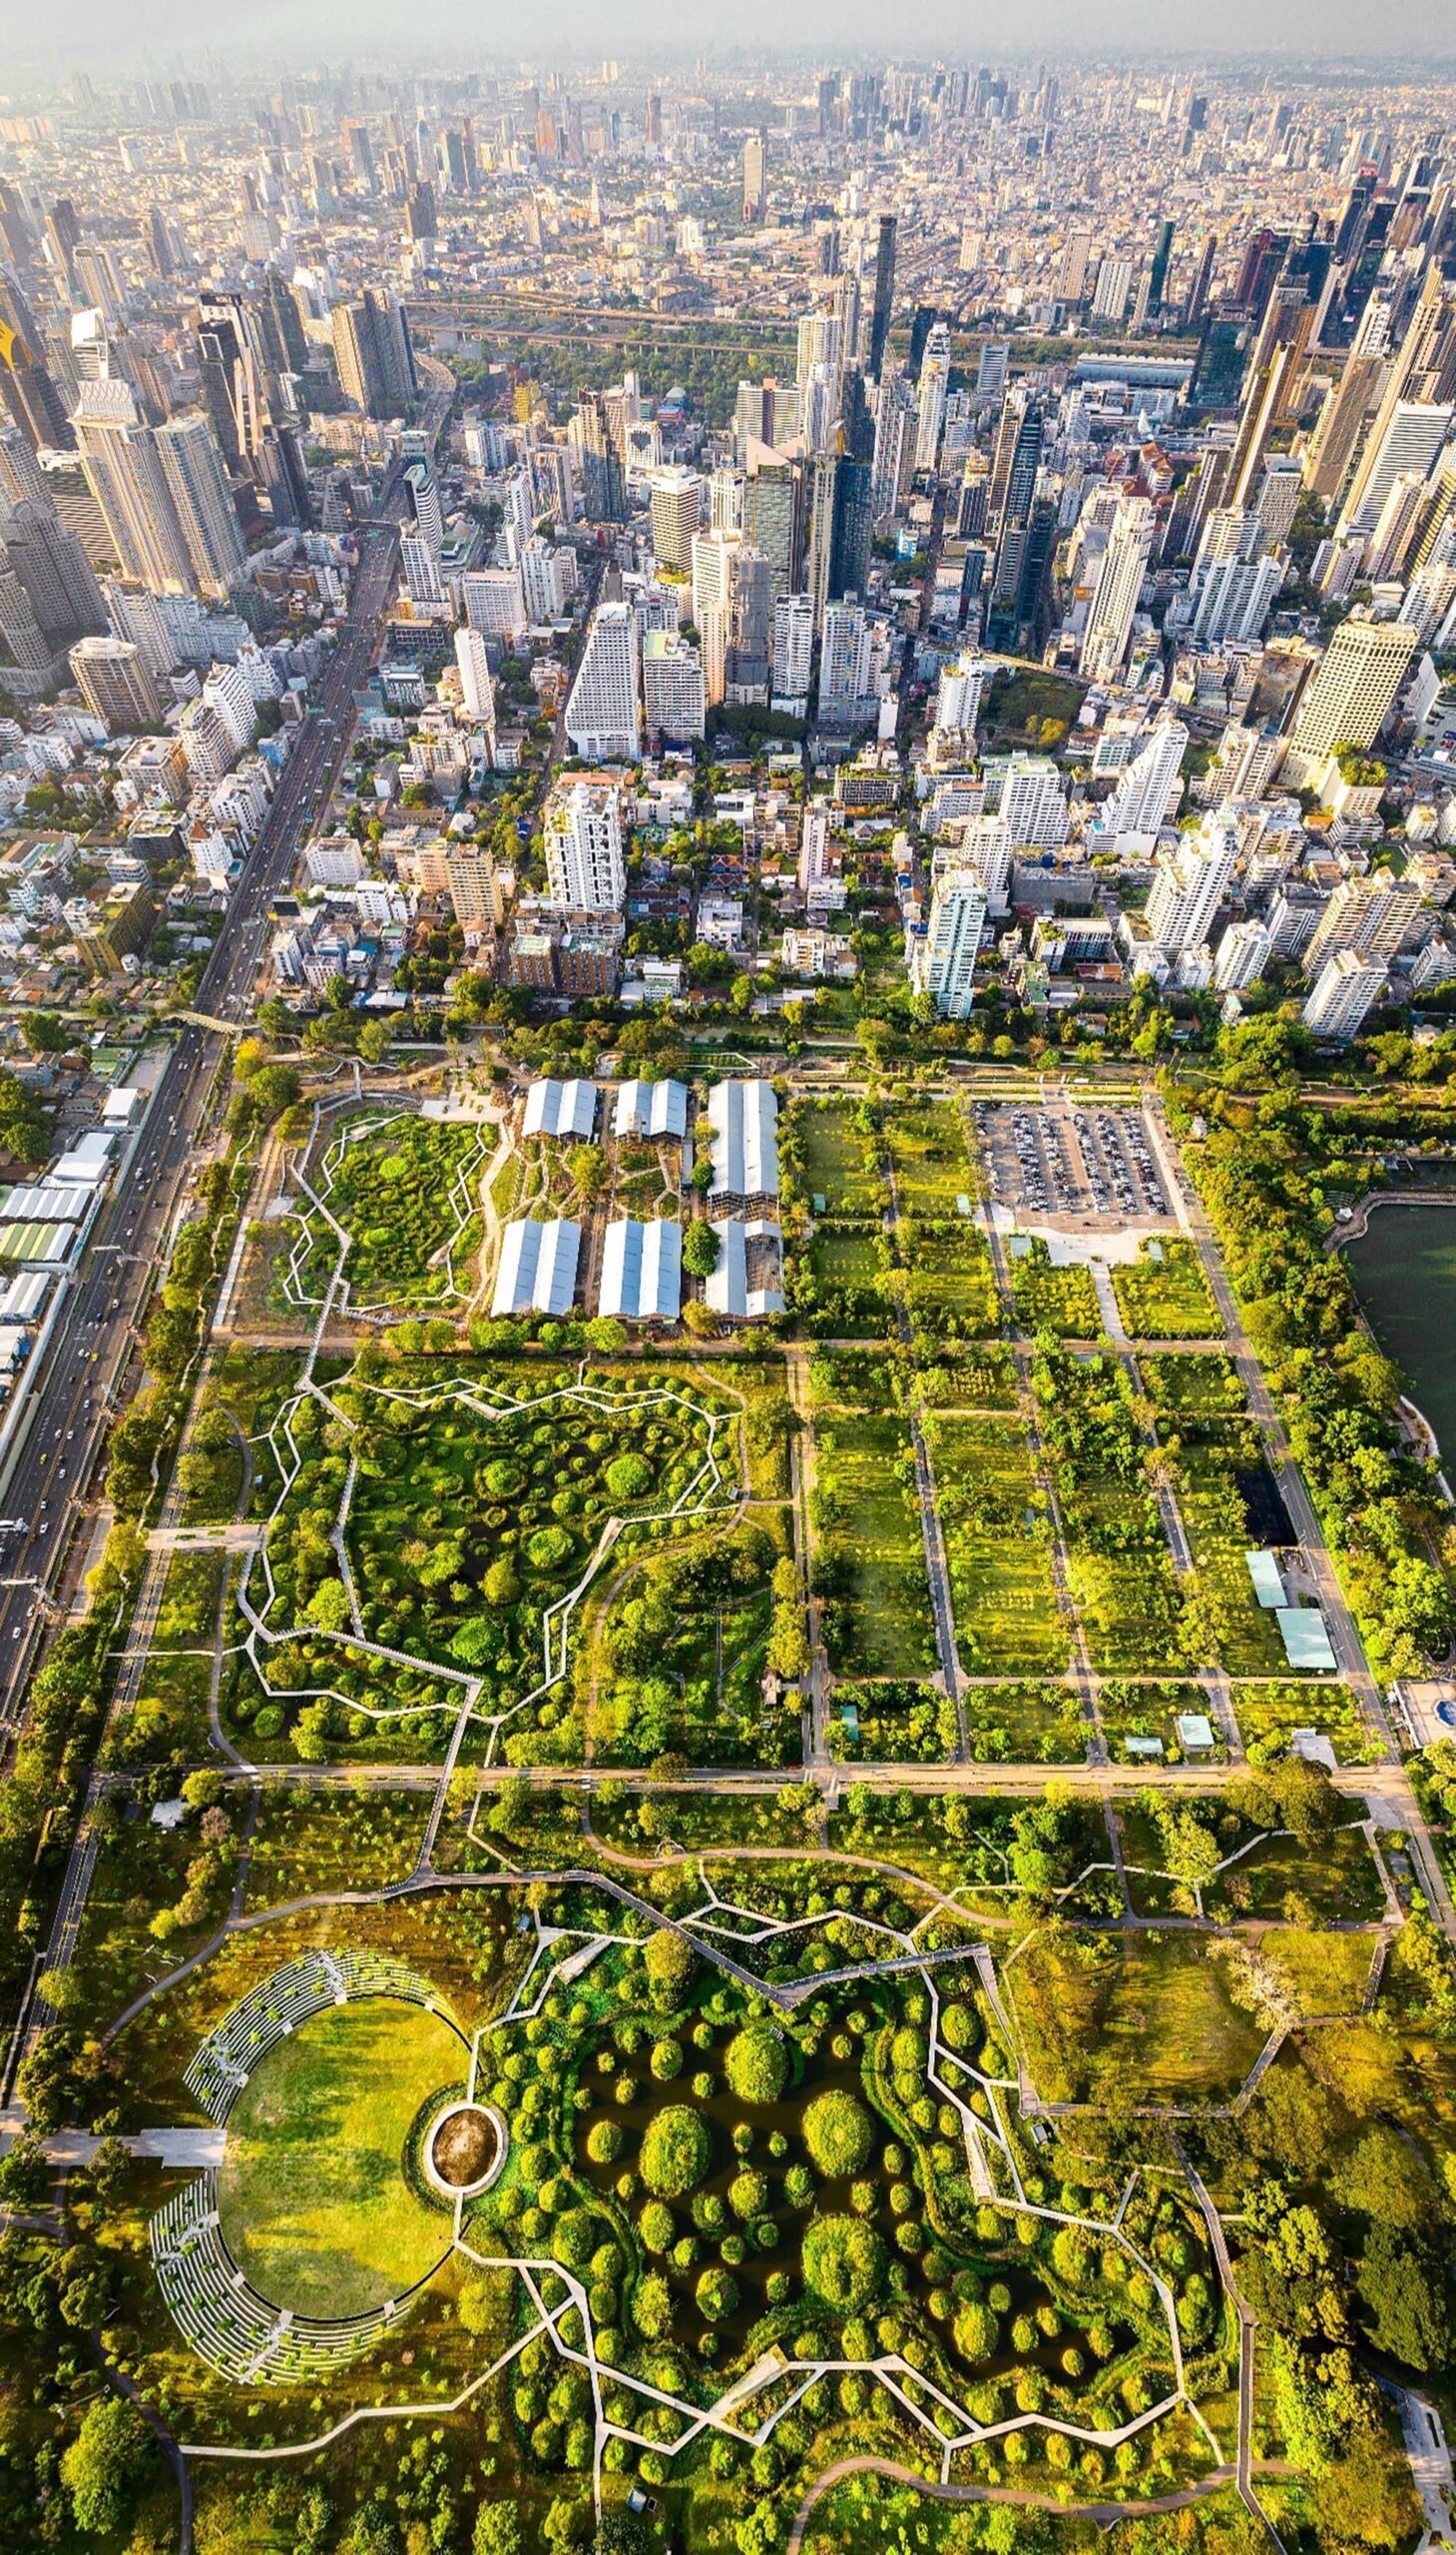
(87, 1358)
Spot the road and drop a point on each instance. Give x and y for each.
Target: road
(89, 1357)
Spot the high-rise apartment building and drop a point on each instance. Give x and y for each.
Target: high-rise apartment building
(115, 684)
(1190, 885)
(943, 964)
(1346, 989)
(585, 863)
(1119, 585)
(675, 501)
(1352, 691)
(674, 697)
(376, 360)
(602, 712)
(931, 396)
(202, 501)
(1149, 787)
(477, 691)
(755, 177)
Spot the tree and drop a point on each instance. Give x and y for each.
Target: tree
(104, 2463)
(587, 1165)
(701, 1250)
(1402, 2291)
(675, 2152)
(757, 2064)
(837, 2132)
(669, 1962)
(498, 2530)
(844, 2262)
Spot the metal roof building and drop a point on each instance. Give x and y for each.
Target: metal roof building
(651, 1110)
(744, 1119)
(727, 1290)
(642, 1271)
(562, 1108)
(1268, 1587)
(538, 1270)
(1305, 1636)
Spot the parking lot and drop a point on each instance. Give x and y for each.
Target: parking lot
(1062, 1165)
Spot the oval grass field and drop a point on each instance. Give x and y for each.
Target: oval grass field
(312, 2194)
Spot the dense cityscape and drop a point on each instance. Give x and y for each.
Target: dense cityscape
(727, 1119)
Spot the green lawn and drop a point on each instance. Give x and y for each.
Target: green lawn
(836, 1156)
(998, 1547)
(1165, 1295)
(311, 2192)
(870, 1558)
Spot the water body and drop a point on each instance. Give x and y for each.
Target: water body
(1404, 1268)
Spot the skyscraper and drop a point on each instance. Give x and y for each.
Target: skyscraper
(1353, 690)
(123, 473)
(1148, 792)
(755, 177)
(376, 360)
(1119, 585)
(115, 684)
(931, 396)
(884, 292)
(585, 867)
(192, 468)
(943, 964)
(602, 715)
(477, 691)
(1190, 884)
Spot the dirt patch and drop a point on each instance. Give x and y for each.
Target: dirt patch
(464, 2148)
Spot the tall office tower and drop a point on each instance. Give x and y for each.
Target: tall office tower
(284, 343)
(1385, 551)
(818, 399)
(376, 360)
(793, 649)
(1352, 691)
(1278, 501)
(842, 530)
(755, 177)
(1419, 375)
(585, 867)
(1267, 388)
(674, 696)
(1119, 585)
(1437, 510)
(713, 553)
(1149, 787)
(424, 503)
(598, 458)
(1203, 277)
(22, 480)
(1015, 460)
(652, 122)
(477, 691)
(158, 242)
(192, 468)
(419, 566)
(1071, 283)
(63, 231)
(675, 499)
(232, 374)
(53, 568)
(726, 501)
(30, 394)
(1158, 276)
(28, 663)
(361, 152)
(893, 457)
(820, 348)
(1260, 272)
(124, 474)
(931, 395)
(958, 704)
(115, 684)
(943, 964)
(884, 292)
(1190, 884)
(773, 511)
(602, 714)
(1414, 433)
(1345, 416)
(421, 221)
(1347, 987)
(751, 628)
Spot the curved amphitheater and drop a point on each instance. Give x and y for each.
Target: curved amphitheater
(213, 2303)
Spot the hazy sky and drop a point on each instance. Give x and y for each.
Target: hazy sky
(129, 30)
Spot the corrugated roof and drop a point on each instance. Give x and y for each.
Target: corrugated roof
(656, 1111)
(744, 1119)
(1305, 1636)
(642, 1270)
(561, 1109)
(538, 1268)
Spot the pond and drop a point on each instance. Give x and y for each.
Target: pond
(1405, 1270)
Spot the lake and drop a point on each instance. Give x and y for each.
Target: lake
(1405, 1270)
